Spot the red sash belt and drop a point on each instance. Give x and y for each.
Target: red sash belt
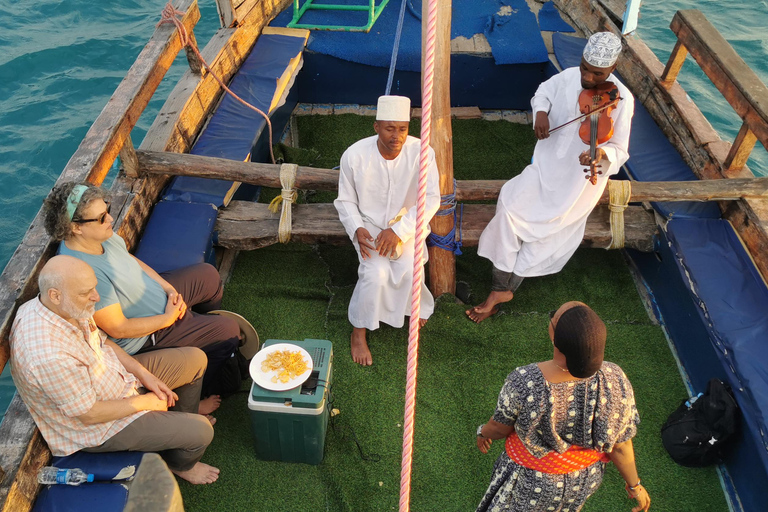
(574, 458)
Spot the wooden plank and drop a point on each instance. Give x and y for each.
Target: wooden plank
(154, 488)
(743, 89)
(22, 453)
(674, 64)
(128, 159)
(226, 13)
(246, 226)
(739, 152)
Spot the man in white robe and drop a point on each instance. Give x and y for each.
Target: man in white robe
(542, 213)
(378, 183)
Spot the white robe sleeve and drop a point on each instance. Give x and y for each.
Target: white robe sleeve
(347, 201)
(545, 93)
(405, 229)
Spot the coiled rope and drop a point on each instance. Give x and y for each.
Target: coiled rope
(448, 241)
(287, 197)
(169, 15)
(418, 263)
(619, 192)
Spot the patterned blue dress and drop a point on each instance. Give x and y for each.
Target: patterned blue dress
(598, 413)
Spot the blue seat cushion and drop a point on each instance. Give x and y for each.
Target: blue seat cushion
(178, 235)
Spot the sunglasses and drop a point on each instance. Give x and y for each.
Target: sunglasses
(101, 219)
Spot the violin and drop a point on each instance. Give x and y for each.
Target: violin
(596, 105)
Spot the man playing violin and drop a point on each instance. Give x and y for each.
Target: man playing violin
(542, 213)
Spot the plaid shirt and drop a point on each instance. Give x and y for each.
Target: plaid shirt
(60, 372)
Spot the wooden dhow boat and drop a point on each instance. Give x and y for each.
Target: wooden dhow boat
(665, 243)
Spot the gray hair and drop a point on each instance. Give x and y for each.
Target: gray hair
(47, 280)
(57, 223)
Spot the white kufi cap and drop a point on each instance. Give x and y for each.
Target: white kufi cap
(602, 49)
(393, 108)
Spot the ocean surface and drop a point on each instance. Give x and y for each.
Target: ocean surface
(60, 61)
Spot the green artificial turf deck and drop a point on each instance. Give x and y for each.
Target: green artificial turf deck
(293, 292)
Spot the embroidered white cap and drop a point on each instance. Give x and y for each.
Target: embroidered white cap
(393, 108)
(602, 49)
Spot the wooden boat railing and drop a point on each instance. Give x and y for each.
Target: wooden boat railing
(680, 119)
(22, 449)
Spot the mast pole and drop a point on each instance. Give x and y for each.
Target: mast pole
(442, 263)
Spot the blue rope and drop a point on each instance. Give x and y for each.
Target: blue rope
(396, 48)
(448, 241)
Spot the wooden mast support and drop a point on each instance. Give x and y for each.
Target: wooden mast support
(442, 263)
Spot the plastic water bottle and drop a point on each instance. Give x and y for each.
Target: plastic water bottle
(50, 475)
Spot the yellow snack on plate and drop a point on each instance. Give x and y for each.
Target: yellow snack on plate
(288, 364)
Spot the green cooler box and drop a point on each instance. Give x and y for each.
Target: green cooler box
(290, 426)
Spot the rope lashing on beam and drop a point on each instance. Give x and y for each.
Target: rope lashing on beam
(427, 87)
(169, 15)
(619, 192)
(448, 241)
(287, 197)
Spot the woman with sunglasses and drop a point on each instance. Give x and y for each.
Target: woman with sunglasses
(563, 420)
(140, 309)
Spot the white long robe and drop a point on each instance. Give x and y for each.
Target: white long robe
(542, 213)
(372, 191)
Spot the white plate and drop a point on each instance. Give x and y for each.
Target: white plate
(265, 379)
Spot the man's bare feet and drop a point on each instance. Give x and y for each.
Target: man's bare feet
(199, 474)
(208, 405)
(211, 419)
(361, 354)
(422, 322)
(489, 307)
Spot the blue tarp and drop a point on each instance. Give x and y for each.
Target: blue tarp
(651, 156)
(550, 20)
(513, 34)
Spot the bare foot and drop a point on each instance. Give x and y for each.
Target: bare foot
(361, 354)
(489, 307)
(199, 474)
(208, 405)
(211, 419)
(422, 322)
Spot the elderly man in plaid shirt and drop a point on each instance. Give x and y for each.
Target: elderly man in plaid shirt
(85, 393)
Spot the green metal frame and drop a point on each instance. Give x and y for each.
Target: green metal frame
(373, 14)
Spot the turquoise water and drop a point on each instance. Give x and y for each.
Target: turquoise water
(60, 61)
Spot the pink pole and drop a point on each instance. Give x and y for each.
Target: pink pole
(418, 261)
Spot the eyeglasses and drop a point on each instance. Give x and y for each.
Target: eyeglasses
(101, 219)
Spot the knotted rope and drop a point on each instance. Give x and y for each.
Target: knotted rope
(448, 241)
(619, 192)
(169, 15)
(287, 197)
(427, 83)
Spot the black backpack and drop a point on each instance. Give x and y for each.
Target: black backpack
(697, 433)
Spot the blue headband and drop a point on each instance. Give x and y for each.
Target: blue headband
(73, 201)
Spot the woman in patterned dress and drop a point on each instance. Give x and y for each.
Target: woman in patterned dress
(563, 419)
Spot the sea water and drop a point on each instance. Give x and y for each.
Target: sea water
(60, 61)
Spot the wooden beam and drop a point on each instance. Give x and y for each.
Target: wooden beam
(154, 488)
(311, 178)
(226, 13)
(675, 62)
(128, 158)
(246, 226)
(743, 89)
(442, 263)
(739, 152)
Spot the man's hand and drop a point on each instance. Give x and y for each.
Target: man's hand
(599, 157)
(386, 242)
(541, 125)
(365, 240)
(175, 308)
(158, 387)
(151, 402)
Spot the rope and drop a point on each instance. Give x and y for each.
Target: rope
(169, 15)
(448, 241)
(396, 48)
(418, 263)
(287, 197)
(619, 192)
